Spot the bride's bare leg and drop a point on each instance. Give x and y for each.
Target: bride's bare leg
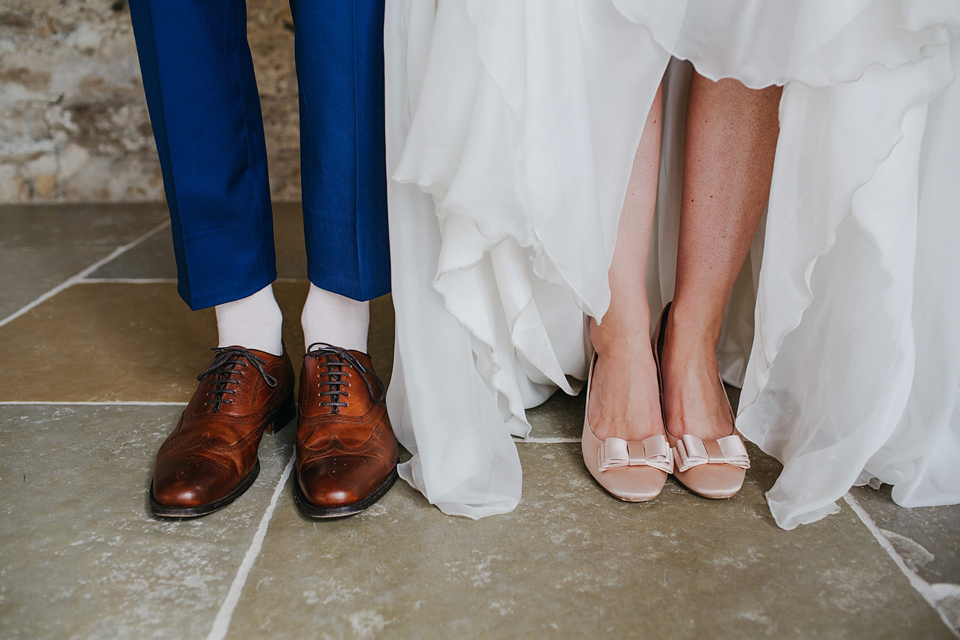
(624, 399)
(731, 137)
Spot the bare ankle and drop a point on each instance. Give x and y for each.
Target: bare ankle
(697, 327)
(614, 334)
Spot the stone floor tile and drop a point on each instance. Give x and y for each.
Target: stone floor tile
(42, 246)
(928, 539)
(559, 417)
(380, 336)
(288, 239)
(154, 259)
(573, 562)
(80, 556)
(114, 342)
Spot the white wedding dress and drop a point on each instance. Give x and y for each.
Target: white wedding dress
(511, 128)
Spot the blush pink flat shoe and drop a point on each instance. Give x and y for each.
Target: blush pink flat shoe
(709, 468)
(631, 470)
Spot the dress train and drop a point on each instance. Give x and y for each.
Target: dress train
(511, 130)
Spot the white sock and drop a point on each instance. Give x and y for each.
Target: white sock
(335, 319)
(254, 322)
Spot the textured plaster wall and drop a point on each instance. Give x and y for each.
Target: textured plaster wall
(73, 121)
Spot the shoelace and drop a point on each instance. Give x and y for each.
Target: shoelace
(332, 374)
(230, 361)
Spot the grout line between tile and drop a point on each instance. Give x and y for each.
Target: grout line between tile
(80, 276)
(546, 440)
(932, 593)
(128, 281)
(95, 403)
(222, 622)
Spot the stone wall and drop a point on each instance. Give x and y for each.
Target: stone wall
(73, 121)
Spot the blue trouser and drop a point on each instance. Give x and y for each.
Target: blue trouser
(205, 110)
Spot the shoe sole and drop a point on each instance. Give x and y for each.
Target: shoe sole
(281, 417)
(718, 496)
(311, 510)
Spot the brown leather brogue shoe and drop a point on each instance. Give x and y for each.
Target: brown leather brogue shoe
(210, 459)
(346, 451)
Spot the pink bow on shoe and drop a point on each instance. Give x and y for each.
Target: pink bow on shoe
(691, 452)
(652, 452)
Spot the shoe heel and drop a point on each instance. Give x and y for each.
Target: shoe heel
(282, 416)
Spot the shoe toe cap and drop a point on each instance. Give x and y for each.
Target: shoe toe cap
(717, 481)
(188, 483)
(632, 484)
(340, 481)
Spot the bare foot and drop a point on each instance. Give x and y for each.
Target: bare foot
(694, 399)
(624, 394)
